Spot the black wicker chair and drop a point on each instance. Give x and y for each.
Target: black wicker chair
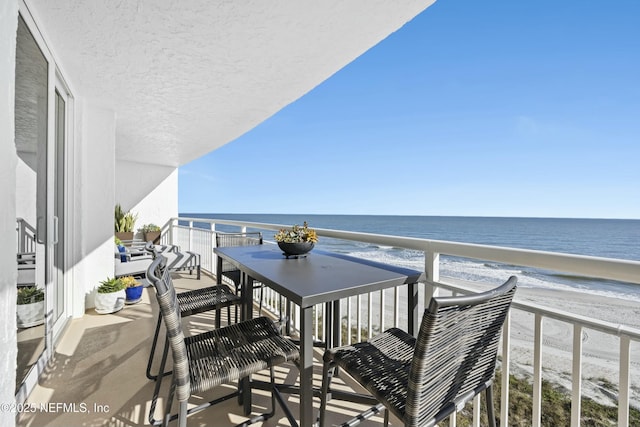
(228, 270)
(194, 302)
(207, 360)
(424, 380)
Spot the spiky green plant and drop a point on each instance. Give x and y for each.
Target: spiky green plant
(110, 285)
(119, 215)
(29, 294)
(124, 221)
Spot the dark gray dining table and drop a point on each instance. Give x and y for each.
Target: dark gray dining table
(320, 277)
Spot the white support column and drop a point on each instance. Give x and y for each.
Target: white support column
(369, 315)
(359, 318)
(382, 311)
(432, 270)
(623, 395)
(537, 372)
(190, 236)
(576, 376)
(396, 307)
(506, 362)
(212, 245)
(349, 323)
(172, 233)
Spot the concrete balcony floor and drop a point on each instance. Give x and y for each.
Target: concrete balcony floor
(99, 365)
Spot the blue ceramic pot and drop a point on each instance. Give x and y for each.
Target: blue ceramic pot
(134, 293)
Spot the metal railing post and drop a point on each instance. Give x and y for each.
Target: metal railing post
(506, 370)
(174, 230)
(190, 236)
(625, 384)
(432, 271)
(212, 245)
(537, 372)
(576, 376)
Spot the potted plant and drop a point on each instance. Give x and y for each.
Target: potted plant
(30, 306)
(124, 223)
(120, 249)
(132, 288)
(151, 233)
(110, 296)
(296, 240)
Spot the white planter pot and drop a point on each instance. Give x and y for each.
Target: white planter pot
(110, 303)
(30, 314)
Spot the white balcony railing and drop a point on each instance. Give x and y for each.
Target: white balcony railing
(383, 309)
(26, 236)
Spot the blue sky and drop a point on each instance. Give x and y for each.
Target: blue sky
(499, 108)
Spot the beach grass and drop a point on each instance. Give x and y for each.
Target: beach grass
(556, 408)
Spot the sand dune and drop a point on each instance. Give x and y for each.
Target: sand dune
(600, 350)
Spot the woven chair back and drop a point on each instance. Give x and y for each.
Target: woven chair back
(236, 239)
(151, 249)
(455, 353)
(158, 274)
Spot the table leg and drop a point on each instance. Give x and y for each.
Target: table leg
(413, 315)
(328, 321)
(218, 270)
(247, 313)
(306, 366)
(337, 324)
(247, 296)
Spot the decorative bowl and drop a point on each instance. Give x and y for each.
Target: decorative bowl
(297, 248)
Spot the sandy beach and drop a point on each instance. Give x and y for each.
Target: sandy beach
(600, 351)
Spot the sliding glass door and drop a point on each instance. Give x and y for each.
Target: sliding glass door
(42, 117)
(58, 294)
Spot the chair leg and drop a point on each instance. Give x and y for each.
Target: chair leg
(153, 350)
(239, 291)
(490, 409)
(327, 374)
(218, 321)
(272, 376)
(169, 404)
(386, 418)
(156, 392)
(182, 419)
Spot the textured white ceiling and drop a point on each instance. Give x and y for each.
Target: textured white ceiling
(186, 77)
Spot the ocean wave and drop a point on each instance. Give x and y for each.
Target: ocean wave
(479, 271)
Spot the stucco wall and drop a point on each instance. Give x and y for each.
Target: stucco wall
(151, 191)
(95, 197)
(8, 162)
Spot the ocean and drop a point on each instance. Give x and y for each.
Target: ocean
(610, 238)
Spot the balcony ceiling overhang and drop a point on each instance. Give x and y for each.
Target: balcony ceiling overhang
(184, 78)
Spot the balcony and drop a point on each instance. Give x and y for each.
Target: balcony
(100, 361)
